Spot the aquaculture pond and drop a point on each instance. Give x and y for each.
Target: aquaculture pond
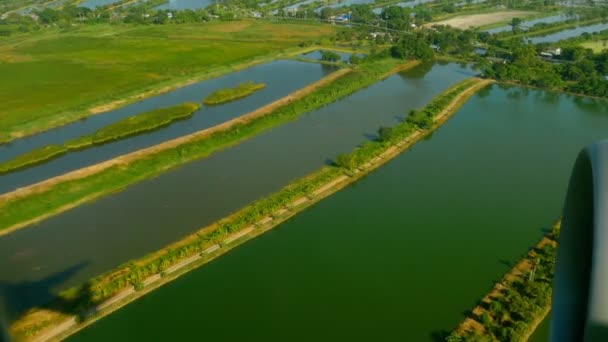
(526, 24)
(570, 33)
(81, 243)
(185, 4)
(281, 78)
(95, 3)
(402, 254)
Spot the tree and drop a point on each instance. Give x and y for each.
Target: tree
(330, 56)
(385, 133)
(412, 46)
(515, 22)
(326, 12)
(354, 59)
(485, 319)
(346, 161)
(48, 16)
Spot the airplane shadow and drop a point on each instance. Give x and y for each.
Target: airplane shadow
(16, 299)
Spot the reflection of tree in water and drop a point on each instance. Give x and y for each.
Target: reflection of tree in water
(329, 68)
(549, 97)
(592, 106)
(515, 94)
(485, 91)
(417, 72)
(20, 297)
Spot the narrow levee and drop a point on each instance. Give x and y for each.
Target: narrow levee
(152, 214)
(568, 33)
(434, 228)
(282, 77)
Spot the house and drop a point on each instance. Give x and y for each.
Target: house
(342, 18)
(496, 60)
(551, 53)
(374, 35)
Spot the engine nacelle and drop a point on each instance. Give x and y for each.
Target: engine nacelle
(580, 291)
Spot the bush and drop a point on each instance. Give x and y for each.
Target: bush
(231, 94)
(33, 157)
(330, 56)
(144, 122)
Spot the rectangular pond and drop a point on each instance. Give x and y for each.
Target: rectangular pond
(398, 256)
(569, 33)
(526, 24)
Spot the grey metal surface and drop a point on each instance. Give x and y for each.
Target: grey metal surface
(580, 296)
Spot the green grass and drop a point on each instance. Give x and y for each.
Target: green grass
(33, 157)
(226, 95)
(50, 78)
(145, 122)
(130, 126)
(596, 46)
(22, 209)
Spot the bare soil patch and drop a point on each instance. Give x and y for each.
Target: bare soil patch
(477, 20)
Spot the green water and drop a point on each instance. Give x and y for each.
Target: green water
(400, 255)
(542, 332)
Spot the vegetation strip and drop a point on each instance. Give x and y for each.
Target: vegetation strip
(138, 277)
(134, 125)
(34, 203)
(227, 95)
(519, 302)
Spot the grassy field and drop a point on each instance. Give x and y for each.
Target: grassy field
(53, 77)
(596, 46)
(231, 94)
